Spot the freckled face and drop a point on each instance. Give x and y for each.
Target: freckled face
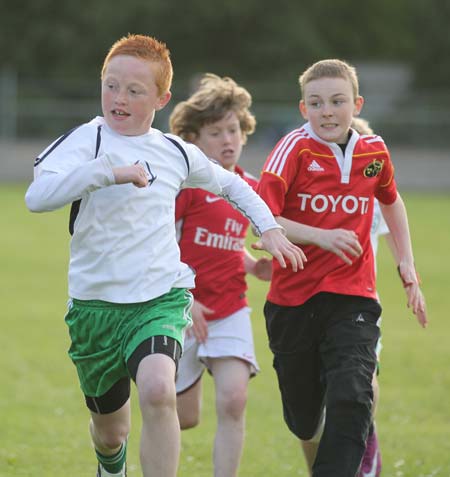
(329, 105)
(222, 140)
(130, 95)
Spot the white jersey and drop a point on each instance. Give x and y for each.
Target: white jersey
(379, 227)
(123, 248)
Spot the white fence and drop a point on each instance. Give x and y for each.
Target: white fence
(40, 107)
(34, 111)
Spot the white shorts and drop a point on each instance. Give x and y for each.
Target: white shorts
(379, 346)
(230, 337)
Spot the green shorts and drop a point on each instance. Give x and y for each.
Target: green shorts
(104, 335)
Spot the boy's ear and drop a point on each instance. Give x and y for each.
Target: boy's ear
(163, 100)
(302, 109)
(359, 103)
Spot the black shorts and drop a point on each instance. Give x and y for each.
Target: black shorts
(324, 350)
(119, 393)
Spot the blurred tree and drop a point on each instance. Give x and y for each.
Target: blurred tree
(251, 39)
(432, 52)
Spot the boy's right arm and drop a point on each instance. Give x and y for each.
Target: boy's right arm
(397, 221)
(209, 176)
(52, 190)
(343, 243)
(134, 174)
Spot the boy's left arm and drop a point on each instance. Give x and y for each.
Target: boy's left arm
(396, 219)
(272, 236)
(214, 178)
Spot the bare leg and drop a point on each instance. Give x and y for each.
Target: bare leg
(310, 448)
(376, 395)
(371, 460)
(310, 451)
(109, 431)
(231, 378)
(160, 438)
(189, 404)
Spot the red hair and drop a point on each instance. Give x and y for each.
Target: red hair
(145, 48)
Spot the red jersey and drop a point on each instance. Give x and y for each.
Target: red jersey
(212, 238)
(310, 181)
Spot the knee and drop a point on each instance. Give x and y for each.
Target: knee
(354, 387)
(231, 403)
(307, 427)
(159, 392)
(349, 401)
(111, 437)
(189, 406)
(188, 421)
(114, 440)
(315, 439)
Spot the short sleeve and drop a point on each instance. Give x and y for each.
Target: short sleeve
(386, 192)
(280, 169)
(272, 190)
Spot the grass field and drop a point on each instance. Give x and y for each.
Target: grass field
(43, 421)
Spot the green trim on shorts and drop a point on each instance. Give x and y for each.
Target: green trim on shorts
(104, 335)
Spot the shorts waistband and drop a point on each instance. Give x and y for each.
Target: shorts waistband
(105, 304)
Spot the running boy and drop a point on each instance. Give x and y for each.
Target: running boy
(217, 119)
(129, 304)
(371, 461)
(322, 323)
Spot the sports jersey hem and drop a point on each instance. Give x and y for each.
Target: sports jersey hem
(348, 292)
(133, 299)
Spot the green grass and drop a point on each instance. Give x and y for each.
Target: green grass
(42, 414)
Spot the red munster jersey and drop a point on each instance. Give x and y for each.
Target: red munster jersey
(313, 182)
(211, 238)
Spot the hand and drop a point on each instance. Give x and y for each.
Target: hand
(135, 174)
(343, 243)
(274, 242)
(199, 324)
(416, 300)
(262, 269)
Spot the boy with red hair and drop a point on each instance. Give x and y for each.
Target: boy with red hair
(129, 292)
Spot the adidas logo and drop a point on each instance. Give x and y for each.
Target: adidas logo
(315, 167)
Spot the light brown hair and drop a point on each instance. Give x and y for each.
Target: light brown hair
(214, 98)
(362, 126)
(331, 68)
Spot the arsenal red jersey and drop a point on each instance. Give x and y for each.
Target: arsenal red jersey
(211, 238)
(314, 182)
